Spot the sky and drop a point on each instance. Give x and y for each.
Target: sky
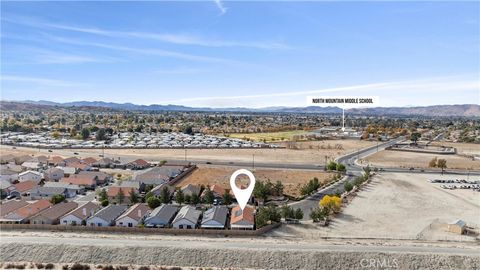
(240, 54)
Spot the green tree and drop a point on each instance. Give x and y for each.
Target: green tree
(85, 133)
(298, 214)
(227, 198)
(100, 135)
(188, 130)
(120, 198)
(57, 198)
(414, 137)
(348, 186)
(433, 162)
(278, 188)
(195, 199)
(188, 199)
(179, 198)
(103, 195)
(104, 203)
(209, 197)
(442, 163)
(340, 167)
(153, 202)
(331, 166)
(165, 196)
(260, 191)
(133, 197)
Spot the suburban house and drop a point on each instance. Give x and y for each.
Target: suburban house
(23, 214)
(161, 216)
(132, 184)
(158, 189)
(30, 176)
(190, 190)
(79, 166)
(80, 214)
(217, 190)
(67, 171)
(10, 206)
(133, 216)
(53, 174)
(71, 189)
(69, 160)
(32, 165)
(89, 161)
(243, 220)
(101, 177)
(138, 164)
(5, 188)
(53, 214)
(56, 161)
(104, 163)
(114, 191)
(215, 218)
(87, 181)
(48, 192)
(158, 175)
(187, 218)
(106, 216)
(23, 188)
(8, 175)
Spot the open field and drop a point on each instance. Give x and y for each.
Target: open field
(291, 179)
(264, 155)
(418, 160)
(269, 136)
(462, 148)
(399, 206)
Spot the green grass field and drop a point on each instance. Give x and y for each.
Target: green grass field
(269, 136)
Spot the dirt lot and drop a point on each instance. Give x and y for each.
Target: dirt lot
(418, 160)
(270, 155)
(269, 136)
(400, 206)
(291, 179)
(462, 148)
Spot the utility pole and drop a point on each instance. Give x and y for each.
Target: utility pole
(185, 154)
(253, 162)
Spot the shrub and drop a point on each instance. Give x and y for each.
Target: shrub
(39, 265)
(348, 186)
(49, 266)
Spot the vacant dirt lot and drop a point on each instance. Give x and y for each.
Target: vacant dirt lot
(398, 206)
(419, 160)
(462, 148)
(317, 153)
(291, 179)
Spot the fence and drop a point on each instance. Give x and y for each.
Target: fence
(135, 230)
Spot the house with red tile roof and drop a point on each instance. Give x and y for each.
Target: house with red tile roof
(242, 220)
(113, 191)
(87, 181)
(23, 214)
(23, 188)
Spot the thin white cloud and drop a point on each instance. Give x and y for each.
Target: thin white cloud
(146, 51)
(37, 81)
(180, 39)
(389, 89)
(220, 6)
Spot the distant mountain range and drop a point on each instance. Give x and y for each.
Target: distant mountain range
(464, 110)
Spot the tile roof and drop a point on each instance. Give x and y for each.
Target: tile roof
(136, 212)
(189, 213)
(239, 215)
(110, 213)
(57, 210)
(25, 186)
(81, 180)
(10, 206)
(28, 210)
(84, 211)
(113, 191)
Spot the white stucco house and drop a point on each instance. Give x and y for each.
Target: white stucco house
(30, 176)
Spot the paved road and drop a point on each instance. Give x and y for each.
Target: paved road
(354, 169)
(240, 243)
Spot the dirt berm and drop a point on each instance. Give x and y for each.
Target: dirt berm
(232, 258)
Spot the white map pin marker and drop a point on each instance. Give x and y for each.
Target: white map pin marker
(242, 195)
